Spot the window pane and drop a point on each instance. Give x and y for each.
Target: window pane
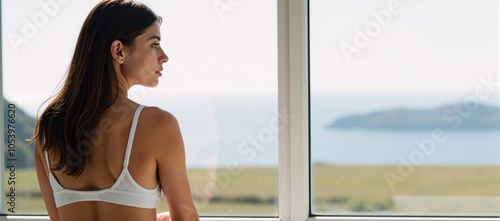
(220, 83)
(405, 107)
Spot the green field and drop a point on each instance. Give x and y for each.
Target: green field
(340, 190)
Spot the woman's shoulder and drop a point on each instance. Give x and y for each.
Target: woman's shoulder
(157, 116)
(159, 121)
(162, 128)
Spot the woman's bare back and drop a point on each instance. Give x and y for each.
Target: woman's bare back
(105, 163)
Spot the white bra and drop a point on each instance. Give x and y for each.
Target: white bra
(125, 191)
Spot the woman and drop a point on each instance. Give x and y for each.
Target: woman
(99, 155)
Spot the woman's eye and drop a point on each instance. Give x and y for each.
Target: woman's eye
(155, 45)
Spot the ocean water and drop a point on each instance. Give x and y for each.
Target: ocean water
(224, 131)
(236, 130)
(417, 147)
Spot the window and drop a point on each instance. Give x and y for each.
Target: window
(220, 82)
(330, 55)
(405, 108)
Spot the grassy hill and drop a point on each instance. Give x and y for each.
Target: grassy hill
(24, 125)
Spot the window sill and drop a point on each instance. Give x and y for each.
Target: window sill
(33, 218)
(339, 218)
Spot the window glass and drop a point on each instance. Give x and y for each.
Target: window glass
(405, 107)
(220, 83)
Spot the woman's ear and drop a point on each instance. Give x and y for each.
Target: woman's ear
(117, 51)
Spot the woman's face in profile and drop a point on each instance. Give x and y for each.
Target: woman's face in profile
(143, 65)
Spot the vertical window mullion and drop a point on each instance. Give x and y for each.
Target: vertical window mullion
(299, 108)
(284, 170)
(293, 99)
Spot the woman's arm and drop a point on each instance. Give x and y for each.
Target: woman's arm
(43, 181)
(170, 158)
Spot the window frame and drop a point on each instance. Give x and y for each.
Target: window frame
(2, 123)
(293, 99)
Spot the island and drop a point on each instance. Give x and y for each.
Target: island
(458, 116)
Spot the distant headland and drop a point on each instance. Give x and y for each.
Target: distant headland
(453, 117)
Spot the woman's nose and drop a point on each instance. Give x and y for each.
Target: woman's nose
(163, 57)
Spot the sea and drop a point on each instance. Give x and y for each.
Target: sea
(231, 130)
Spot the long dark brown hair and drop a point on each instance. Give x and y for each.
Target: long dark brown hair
(91, 85)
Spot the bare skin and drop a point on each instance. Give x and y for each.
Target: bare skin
(157, 153)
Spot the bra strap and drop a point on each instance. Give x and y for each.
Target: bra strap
(47, 159)
(131, 136)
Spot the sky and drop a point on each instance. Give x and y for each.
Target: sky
(424, 46)
(230, 47)
(214, 47)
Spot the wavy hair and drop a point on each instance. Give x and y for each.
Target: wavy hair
(91, 85)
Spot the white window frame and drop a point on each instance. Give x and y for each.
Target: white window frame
(293, 99)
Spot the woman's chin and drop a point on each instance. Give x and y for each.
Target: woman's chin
(151, 84)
